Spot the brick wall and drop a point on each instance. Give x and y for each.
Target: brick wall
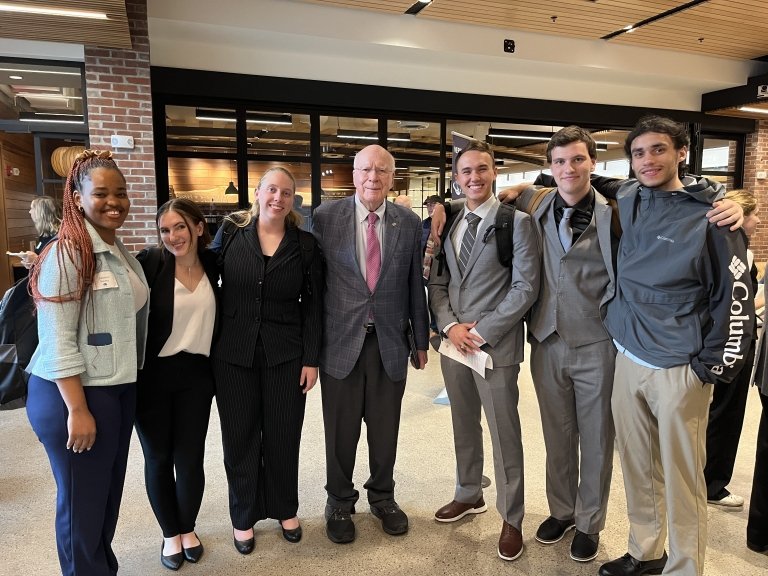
(120, 102)
(757, 160)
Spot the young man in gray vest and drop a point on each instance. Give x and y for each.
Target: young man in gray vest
(479, 303)
(572, 356)
(682, 319)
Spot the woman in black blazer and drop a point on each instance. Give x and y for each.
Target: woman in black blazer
(176, 385)
(265, 358)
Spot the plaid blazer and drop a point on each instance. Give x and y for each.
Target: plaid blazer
(397, 302)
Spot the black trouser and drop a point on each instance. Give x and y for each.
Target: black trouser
(726, 417)
(172, 413)
(367, 393)
(262, 412)
(757, 526)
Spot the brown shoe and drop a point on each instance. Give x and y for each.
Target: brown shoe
(510, 543)
(457, 510)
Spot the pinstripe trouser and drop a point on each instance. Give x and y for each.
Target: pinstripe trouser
(261, 410)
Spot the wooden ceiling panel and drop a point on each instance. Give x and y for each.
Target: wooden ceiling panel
(111, 33)
(735, 29)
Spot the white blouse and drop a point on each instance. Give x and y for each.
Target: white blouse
(194, 314)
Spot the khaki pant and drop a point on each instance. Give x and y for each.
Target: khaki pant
(661, 431)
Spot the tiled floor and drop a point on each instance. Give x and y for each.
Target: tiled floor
(425, 480)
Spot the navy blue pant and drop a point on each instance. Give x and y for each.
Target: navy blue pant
(89, 484)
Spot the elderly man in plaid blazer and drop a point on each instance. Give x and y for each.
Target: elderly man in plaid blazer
(374, 306)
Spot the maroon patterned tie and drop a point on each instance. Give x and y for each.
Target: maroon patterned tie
(373, 254)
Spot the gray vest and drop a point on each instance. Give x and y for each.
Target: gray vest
(572, 287)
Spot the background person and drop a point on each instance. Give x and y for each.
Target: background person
(176, 385)
(266, 355)
(92, 310)
(729, 402)
(46, 216)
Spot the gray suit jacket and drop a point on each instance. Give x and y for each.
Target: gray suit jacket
(397, 303)
(489, 293)
(574, 326)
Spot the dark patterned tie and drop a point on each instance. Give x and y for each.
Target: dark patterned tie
(468, 240)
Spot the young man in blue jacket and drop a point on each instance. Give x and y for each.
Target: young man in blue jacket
(681, 320)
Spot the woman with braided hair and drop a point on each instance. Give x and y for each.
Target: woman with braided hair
(92, 308)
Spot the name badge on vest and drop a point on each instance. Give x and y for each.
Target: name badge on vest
(105, 279)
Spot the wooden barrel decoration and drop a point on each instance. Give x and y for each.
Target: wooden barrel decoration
(63, 157)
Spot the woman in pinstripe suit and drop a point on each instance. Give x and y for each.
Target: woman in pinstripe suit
(266, 356)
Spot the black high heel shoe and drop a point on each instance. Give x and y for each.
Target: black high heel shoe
(195, 553)
(172, 562)
(244, 546)
(293, 535)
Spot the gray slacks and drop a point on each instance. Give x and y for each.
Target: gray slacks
(498, 395)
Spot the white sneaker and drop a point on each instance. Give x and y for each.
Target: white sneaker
(731, 501)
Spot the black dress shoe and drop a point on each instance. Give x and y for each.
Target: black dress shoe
(552, 530)
(339, 526)
(194, 554)
(629, 566)
(393, 520)
(244, 546)
(759, 548)
(172, 562)
(293, 535)
(584, 546)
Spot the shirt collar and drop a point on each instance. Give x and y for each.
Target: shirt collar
(483, 209)
(584, 205)
(362, 212)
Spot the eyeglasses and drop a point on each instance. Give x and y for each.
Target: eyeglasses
(373, 170)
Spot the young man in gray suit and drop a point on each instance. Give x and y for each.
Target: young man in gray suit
(479, 304)
(572, 356)
(374, 298)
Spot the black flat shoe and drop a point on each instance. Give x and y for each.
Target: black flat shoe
(293, 535)
(244, 546)
(194, 554)
(172, 562)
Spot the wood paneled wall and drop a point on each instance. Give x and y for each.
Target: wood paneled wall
(16, 192)
(205, 180)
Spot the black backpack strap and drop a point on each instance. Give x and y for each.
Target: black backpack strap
(504, 228)
(307, 247)
(229, 229)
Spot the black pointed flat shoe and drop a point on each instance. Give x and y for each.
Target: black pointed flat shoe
(244, 546)
(293, 535)
(195, 553)
(172, 562)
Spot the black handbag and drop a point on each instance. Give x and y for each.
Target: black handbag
(18, 340)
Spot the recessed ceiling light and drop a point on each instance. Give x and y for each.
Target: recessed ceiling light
(27, 9)
(755, 110)
(29, 71)
(16, 77)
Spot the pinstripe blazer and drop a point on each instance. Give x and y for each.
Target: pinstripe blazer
(397, 301)
(274, 301)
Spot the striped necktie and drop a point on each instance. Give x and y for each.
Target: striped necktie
(468, 240)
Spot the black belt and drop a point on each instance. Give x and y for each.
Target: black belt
(370, 328)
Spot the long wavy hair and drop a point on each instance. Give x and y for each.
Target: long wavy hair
(74, 242)
(244, 217)
(46, 215)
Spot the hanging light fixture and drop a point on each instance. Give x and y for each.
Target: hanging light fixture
(231, 189)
